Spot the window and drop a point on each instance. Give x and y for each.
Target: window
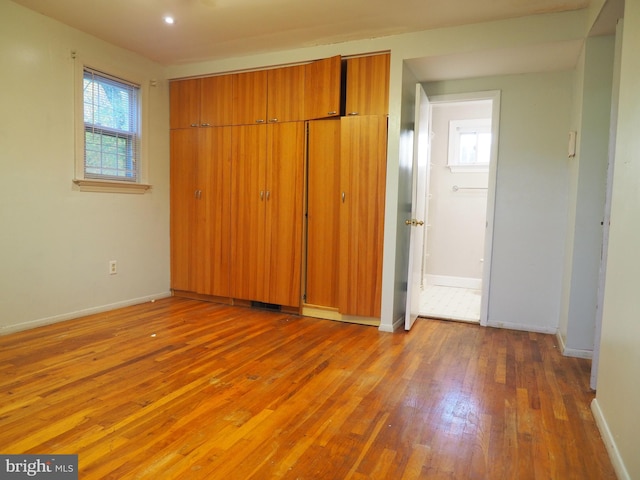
(109, 142)
(469, 145)
(111, 127)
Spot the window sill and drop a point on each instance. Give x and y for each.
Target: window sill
(110, 186)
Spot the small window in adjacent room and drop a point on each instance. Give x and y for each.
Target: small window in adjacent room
(109, 157)
(469, 145)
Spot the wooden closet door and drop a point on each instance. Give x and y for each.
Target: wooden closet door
(184, 165)
(213, 235)
(248, 198)
(283, 232)
(323, 212)
(363, 174)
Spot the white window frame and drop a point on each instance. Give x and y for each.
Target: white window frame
(88, 184)
(458, 127)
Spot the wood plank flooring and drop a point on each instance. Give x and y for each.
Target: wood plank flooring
(182, 389)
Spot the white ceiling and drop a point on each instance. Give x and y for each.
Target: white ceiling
(215, 29)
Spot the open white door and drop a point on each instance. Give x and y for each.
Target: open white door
(417, 222)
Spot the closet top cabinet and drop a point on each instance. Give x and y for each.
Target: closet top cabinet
(268, 96)
(201, 102)
(367, 85)
(250, 98)
(285, 94)
(184, 103)
(322, 88)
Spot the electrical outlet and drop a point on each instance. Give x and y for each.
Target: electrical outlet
(113, 267)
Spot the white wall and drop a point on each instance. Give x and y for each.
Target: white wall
(455, 239)
(616, 404)
(531, 196)
(56, 242)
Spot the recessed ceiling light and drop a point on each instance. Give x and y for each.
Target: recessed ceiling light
(169, 20)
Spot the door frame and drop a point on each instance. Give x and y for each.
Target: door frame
(494, 97)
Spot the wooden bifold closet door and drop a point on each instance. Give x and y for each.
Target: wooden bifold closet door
(362, 176)
(200, 210)
(266, 207)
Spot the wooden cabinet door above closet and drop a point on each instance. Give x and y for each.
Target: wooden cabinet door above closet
(184, 103)
(216, 101)
(367, 86)
(201, 102)
(285, 94)
(249, 98)
(322, 88)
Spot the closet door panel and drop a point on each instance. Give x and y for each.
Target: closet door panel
(184, 157)
(323, 213)
(363, 176)
(283, 234)
(248, 197)
(214, 236)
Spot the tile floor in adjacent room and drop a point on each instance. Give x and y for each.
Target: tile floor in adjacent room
(452, 303)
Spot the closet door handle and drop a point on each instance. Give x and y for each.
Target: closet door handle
(261, 195)
(268, 194)
(332, 113)
(344, 196)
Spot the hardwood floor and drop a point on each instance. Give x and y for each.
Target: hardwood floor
(181, 389)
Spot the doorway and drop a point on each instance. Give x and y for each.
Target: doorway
(459, 195)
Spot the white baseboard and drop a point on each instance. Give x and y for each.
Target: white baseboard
(448, 281)
(397, 324)
(4, 330)
(524, 328)
(572, 352)
(609, 442)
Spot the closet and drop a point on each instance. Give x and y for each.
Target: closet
(278, 184)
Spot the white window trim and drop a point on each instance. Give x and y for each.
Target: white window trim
(460, 126)
(98, 185)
